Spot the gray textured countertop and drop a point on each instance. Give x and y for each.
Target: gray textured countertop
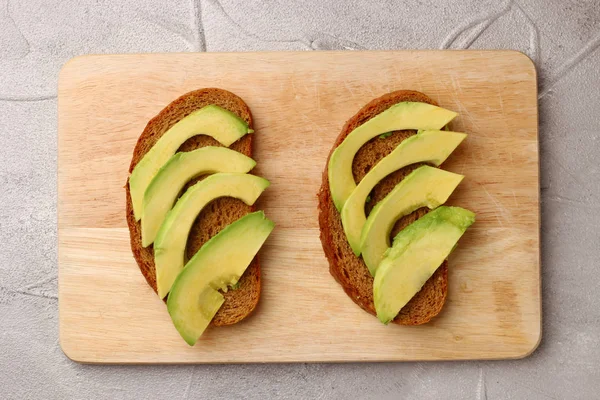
(563, 39)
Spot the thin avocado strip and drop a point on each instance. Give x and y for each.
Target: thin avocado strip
(171, 240)
(223, 125)
(404, 115)
(424, 187)
(417, 252)
(194, 299)
(172, 177)
(433, 147)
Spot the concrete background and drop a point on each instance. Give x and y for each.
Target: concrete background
(562, 37)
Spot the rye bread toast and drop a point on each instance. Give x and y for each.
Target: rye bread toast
(350, 271)
(240, 302)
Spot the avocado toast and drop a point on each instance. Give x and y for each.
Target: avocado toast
(217, 214)
(345, 265)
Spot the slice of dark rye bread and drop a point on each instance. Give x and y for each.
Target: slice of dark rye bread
(350, 271)
(221, 212)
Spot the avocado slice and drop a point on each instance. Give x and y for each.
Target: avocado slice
(432, 147)
(171, 239)
(172, 177)
(424, 187)
(194, 299)
(404, 115)
(223, 125)
(417, 252)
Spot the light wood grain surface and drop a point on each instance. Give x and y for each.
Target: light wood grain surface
(300, 102)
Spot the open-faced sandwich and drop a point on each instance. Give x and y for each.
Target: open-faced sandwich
(383, 228)
(194, 232)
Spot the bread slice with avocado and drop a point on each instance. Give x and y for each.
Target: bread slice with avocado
(348, 269)
(216, 215)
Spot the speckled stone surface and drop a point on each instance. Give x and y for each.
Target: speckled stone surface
(563, 39)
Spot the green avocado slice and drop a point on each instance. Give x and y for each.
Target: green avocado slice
(417, 252)
(424, 187)
(194, 299)
(171, 240)
(172, 177)
(223, 125)
(431, 147)
(404, 115)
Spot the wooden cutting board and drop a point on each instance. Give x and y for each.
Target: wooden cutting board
(300, 102)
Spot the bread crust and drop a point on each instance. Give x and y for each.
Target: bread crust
(347, 269)
(217, 215)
